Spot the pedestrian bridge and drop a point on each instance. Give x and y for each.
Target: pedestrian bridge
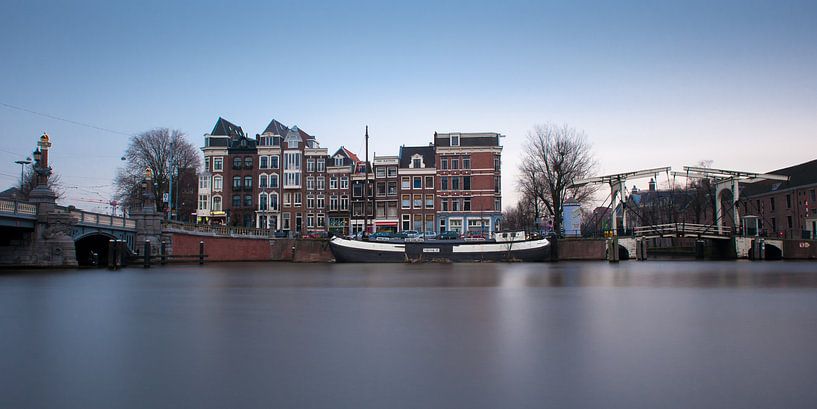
(700, 231)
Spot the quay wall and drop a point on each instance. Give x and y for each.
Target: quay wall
(582, 249)
(219, 248)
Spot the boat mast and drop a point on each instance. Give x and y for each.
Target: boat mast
(365, 188)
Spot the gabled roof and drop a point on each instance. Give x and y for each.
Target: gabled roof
(349, 156)
(304, 136)
(407, 152)
(226, 128)
(802, 174)
(276, 128)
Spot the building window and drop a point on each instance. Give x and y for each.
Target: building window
(406, 222)
(285, 221)
(405, 182)
(444, 183)
(333, 203)
(416, 163)
(344, 202)
(418, 182)
(248, 182)
(292, 179)
(273, 181)
(455, 139)
(263, 162)
(202, 202)
(338, 160)
(236, 182)
(392, 188)
(203, 182)
(236, 200)
(455, 183)
(466, 183)
(333, 182)
(497, 184)
(788, 203)
(207, 164)
(217, 183)
(405, 202)
(273, 161)
(321, 165)
(344, 182)
(497, 164)
(444, 205)
(236, 162)
(218, 164)
(497, 204)
(310, 183)
(320, 202)
(292, 161)
(429, 182)
(262, 201)
(380, 188)
(771, 202)
(391, 210)
(357, 189)
(310, 220)
(442, 225)
(262, 181)
(248, 200)
(310, 165)
(789, 221)
(455, 164)
(444, 164)
(393, 172)
(381, 210)
(429, 201)
(455, 205)
(321, 183)
(298, 200)
(466, 204)
(216, 203)
(273, 201)
(418, 201)
(287, 199)
(466, 162)
(321, 220)
(310, 202)
(248, 162)
(380, 172)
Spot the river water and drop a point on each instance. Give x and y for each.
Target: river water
(277, 335)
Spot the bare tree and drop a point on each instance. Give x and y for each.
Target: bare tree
(29, 182)
(523, 216)
(555, 156)
(162, 150)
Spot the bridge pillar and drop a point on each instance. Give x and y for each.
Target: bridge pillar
(148, 221)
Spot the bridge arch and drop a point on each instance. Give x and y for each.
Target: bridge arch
(623, 253)
(92, 248)
(773, 252)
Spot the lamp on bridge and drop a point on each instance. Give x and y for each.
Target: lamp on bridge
(22, 164)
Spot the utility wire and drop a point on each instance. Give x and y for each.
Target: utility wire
(70, 121)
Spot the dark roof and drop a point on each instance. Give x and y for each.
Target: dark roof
(276, 128)
(349, 156)
(427, 152)
(10, 193)
(226, 128)
(468, 139)
(802, 174)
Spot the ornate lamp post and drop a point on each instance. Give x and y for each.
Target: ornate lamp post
(22, 164)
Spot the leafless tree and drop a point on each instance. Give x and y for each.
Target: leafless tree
(555, 156)
(29, 182)
(523, 216)
(161, 150)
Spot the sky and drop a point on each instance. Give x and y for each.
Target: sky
(652, 83)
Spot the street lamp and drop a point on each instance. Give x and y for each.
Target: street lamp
(22, 164)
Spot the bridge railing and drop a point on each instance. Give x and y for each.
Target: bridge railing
(15, 207)
(690, 229)
(217, 230)
(98, 219)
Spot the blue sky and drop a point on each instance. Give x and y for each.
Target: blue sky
(652, 83)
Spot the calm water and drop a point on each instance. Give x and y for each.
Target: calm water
(567, 335)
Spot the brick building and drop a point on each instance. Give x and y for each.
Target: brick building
(283, 180)
(469, 173)
(417, 174)
(784, 209)
(386, 216)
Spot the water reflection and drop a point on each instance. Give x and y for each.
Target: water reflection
(569, 335)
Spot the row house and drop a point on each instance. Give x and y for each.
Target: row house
(339, 171)
(283, 180)
(386, 196)
(417, 187)
(469, 173)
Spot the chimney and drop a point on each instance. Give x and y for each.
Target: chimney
(652, 185)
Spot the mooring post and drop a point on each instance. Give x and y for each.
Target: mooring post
(699, 249)
(119, 255)
(111, 254)
(163, 253)
(201, 252)
(146, 254)
(554, 248)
